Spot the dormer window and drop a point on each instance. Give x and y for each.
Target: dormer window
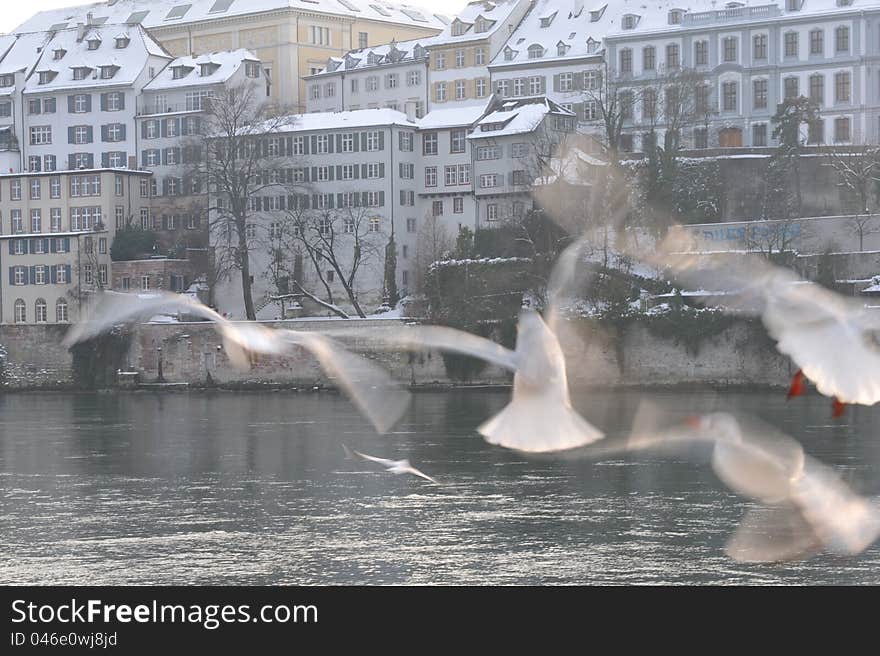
(592, 45)
(536, 51)
(107, 72)
(372, 59)
(596, 14)
(459, 27)
(630, 21)
(45, 77)
(180, 72)
(94, 44)
(844, 3)
(547, 20)
(59, 53)
(122, 42)
(206, 70)
(8, 80)
(81, 72)
(734, 5)
(509, 54)
(252, 69)
(561, 49)
(674, 16)
(482, 25)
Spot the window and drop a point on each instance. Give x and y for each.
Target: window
(503, 88)
(429, 143)
(729, 94)
(649, 55)
(81, 72)
(430, 176)
(16, 220)
(519, 177)
(488, 180)
(817, 42)
(362, 40)
(20, 308)
(536, 51)
(375, 223)
(319, 35)
(88, 274)
(407, 171)
(760, 46)
(451, 175)
(40, 271)
(196, 101)
(49, 163)
(373, 83)
(481, 88)
(672, 59)
(440, 61)
(519, 85)
(759, 134)
(146, 220)
(35, 163)
(536, 85)
(626, 61)
(842, 87)
(492, 212)
(625, 100)
(374, 140)
(120, 218)
(791, 87)
(36, 221)
(35, 188)
(391, 81)
(82, 134)
(460, 90)
(479, 57)
(730, 49)
(410, 225)
(488, 152)
(458, 205)
(759, 93)
(41, 135)
(841, 42)
(61, 310)
(459, 58)
(791, 44)
(816, 132)
(437, 208)
(5, 108)
(440, 92)
(458, 139)
(566, 81)
(40, 307)
(817, 88)
(414, 78)
(82, 103)
(701, 138)
(322, 144)
(841, 129)
(374, 171)
(15, 189)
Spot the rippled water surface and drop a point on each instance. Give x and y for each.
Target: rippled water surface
(254, 488)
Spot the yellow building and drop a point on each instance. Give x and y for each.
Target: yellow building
(292, 38)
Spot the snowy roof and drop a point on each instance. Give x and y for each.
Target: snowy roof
(22, 52)
(130, 59)
(360, 118)
(390, 53)
(452, 117)
(478, 20)
(517, 117)
(565, 29)
(159, 13)
(228, 62)
(660, 15)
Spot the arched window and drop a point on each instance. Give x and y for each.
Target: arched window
(40, 311)
(61, 311)
(536, 51)
(20, 311)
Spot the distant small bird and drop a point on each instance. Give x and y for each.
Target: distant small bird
(806, 508)
(834, 340)
(393, 466)
(370, 387)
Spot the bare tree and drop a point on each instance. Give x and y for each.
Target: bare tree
(858, 174)
(340, 243)
(434, 243)
(241, 151)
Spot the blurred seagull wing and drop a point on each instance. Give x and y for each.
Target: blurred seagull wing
(382, 461)
(772, 534)
(372, 389)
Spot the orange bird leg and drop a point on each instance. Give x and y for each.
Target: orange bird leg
(837, 408)
(798, 386)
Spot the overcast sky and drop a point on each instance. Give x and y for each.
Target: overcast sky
(15, 12)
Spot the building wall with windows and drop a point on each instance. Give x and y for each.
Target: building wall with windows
(290, 41)
(751, 58)
(159, 273)
(342, 167)
(57, 230)
(511, 146)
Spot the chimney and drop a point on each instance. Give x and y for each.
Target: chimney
(89, 18)
(80, 32)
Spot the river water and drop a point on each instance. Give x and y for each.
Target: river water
(255, 489)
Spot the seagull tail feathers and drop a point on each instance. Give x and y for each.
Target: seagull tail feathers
(538, 427)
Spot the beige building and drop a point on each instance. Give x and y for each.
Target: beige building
(292, 38)
(57, 230)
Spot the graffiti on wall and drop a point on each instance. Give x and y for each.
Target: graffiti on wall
(757, 232)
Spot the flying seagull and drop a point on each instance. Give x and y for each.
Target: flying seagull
(369, 386)
(393, 466)
(804, 506)
(834, 340)
(539, 417)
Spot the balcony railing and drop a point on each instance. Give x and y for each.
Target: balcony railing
(731, 15)
(151, 109)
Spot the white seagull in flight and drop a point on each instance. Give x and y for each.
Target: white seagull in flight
(834, 340)
(369, 386)
(806, 507)
(539, 417)
(393, 466)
